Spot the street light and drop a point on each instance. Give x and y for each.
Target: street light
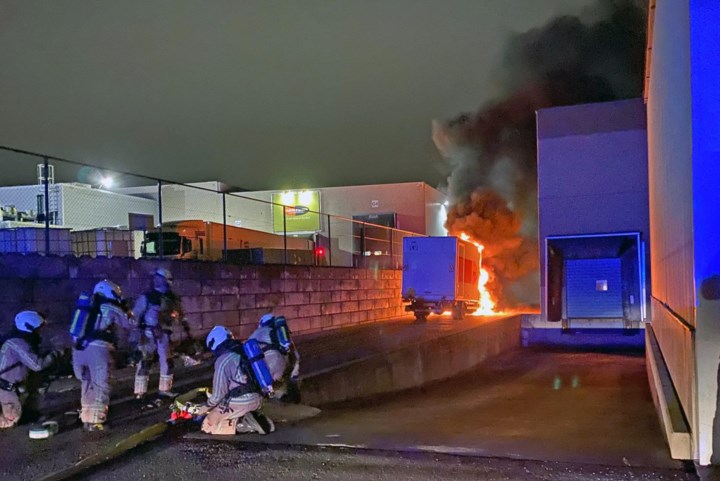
(107, 182)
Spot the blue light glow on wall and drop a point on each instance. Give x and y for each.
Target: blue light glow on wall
(705, 59)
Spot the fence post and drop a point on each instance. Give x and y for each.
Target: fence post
(285, 234)
(392, 250)
(224, 229)
(362, 244)
(161, 242)
(46, 181)
(329, 242)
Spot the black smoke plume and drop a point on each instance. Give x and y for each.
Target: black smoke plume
(492, 152)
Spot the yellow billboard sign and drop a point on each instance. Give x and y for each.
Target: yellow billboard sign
(300, 211)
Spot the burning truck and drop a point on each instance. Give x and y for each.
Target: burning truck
(442, 274)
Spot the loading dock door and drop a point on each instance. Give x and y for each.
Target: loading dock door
(594, 288)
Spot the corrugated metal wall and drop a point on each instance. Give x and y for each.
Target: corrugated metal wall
(86, 208)
(670, 189)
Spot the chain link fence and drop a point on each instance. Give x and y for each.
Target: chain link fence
(84, 210)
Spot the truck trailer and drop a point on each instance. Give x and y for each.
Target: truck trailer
(440, 274)
(197, 239)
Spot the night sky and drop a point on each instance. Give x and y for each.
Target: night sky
(277, 94)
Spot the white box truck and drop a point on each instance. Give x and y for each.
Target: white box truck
(440, 274)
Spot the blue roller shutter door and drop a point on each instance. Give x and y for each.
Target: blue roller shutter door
(594, 288)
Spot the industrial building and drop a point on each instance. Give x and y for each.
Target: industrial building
(84, 220)
(77, 206)
(355, 223)
(628, 224)
(414, 207)
(593, 215)
(682, 75)
(347, 226)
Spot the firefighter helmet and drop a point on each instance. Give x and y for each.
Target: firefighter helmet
(164, 273)
(266, 319)
(29, 321)
(109, 290)
(217, 336)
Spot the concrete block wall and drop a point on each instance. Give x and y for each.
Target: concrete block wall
(312, 298)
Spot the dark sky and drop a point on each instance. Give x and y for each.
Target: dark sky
(260, 94)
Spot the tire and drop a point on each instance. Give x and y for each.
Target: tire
(420, 316)
(458, 311)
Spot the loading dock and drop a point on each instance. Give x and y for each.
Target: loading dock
(596, 280)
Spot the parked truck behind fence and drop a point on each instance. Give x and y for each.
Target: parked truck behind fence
(197, 239)
(440, 274)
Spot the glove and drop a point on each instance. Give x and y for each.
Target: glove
(53, 356)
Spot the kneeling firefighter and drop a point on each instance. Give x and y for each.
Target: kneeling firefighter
(18, 354)
(281, 355)
(93, 326)
(236, 398)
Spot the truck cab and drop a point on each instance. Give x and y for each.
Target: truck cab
(174, 246)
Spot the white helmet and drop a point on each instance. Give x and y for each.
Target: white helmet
(266, 319)
(164, 273)
(109, 290)
(217, 336)
(29, 321)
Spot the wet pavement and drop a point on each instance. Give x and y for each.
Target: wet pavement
(577, 407)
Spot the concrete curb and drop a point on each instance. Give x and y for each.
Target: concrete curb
(413, 365)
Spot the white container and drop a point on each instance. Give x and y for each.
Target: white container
(104, 242)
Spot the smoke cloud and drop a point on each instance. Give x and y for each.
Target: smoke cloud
(492, 153)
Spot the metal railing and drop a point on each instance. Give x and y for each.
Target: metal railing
(82, 209)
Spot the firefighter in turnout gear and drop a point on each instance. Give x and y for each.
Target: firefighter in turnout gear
(19, 354)
(157, 311)
(281, 355)
(92, 353)
(233, 406)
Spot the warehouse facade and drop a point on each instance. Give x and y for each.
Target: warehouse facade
(593, 215)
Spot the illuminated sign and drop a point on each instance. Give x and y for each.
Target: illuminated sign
(297, 207)
(296, 210)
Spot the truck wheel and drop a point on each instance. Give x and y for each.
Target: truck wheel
(458, 311)
(420, 316)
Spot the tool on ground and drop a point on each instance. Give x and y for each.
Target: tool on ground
(44, 431)
(184, 410)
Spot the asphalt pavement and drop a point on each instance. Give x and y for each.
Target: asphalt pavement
(529, 415)
(532, 414)
(202, 460)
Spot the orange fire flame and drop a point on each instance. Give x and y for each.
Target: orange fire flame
(487, 305)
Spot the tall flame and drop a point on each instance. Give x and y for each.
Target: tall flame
(487, 305)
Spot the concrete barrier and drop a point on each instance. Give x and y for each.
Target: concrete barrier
(392, 367)
(413, 365)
